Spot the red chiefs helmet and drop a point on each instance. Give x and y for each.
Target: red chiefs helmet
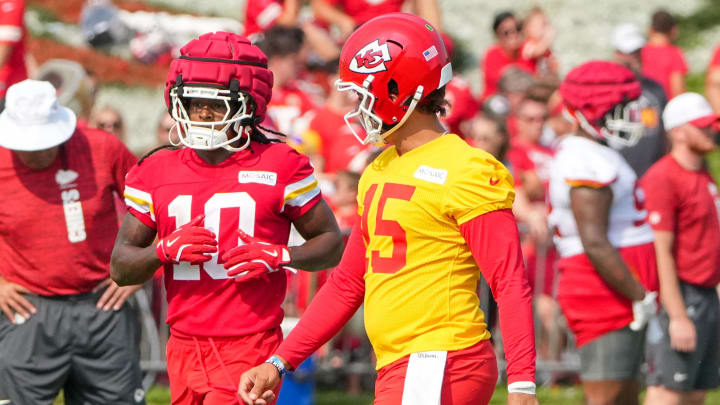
(219, 66)
(399, 51)
(602, 97)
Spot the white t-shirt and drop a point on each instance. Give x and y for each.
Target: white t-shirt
(582, 162)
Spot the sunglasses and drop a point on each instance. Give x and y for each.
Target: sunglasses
(109, 125)
(509, 31)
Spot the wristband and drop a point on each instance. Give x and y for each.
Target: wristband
(275, 361)
(522, 387)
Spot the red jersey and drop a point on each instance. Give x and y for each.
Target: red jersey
(461, 105)
(686, 203)
(329, 136)
(260, 191)
(58, 225)
(495, 61)
(659, 62)
(12, 32)
(536, 158)
(363, 10)
(261, 15)
(715, 62)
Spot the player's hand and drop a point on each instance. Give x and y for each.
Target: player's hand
(255, 258)
(189, 243)
(256, 384)
(522, 399)
(644, 310)
(13, 302)
(114, 296)
(683, 336)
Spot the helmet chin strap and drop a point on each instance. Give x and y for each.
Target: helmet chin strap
(415, 100)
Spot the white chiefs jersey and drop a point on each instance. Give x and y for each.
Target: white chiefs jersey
(581, 162)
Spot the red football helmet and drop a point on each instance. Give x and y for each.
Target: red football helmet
(219, 66)
(602, 97)
(399, 50)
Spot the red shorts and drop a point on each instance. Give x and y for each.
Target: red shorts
(593, 308)
(469, 378)
(207, 370)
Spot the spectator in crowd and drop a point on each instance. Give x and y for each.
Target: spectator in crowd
(166, 131)
(712, 81)
(461, 104)
(108, 119)
(514, 86)
(12, 45)
(537, 48)
(221, 209)
(76, 86)
(628, 42)
(65, 324)
(682, 200)
(328, 142)
(348, 14)
(284, 49)
(529, 159)
(415, 311)
(261, 15)
(607, 267)
(661, 60)
(489, 135)
(506, 52)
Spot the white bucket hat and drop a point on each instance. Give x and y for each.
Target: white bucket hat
(33, 119)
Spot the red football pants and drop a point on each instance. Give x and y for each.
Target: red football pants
(206, 371)
(469, 378)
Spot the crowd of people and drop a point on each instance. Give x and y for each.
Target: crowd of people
(617, 213)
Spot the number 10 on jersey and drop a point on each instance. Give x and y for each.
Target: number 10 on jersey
(180, 208)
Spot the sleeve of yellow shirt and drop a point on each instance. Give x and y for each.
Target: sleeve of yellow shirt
(482, 185)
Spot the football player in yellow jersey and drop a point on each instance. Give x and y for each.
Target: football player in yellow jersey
(435, 212)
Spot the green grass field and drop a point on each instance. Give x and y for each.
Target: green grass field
(546, 396)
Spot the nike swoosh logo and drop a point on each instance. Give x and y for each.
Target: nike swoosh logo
(273, 254)
(494, 181)
(170, 243)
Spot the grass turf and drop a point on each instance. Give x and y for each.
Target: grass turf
(546, 396)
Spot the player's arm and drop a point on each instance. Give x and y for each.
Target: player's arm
(681, 328)
(430, 11)
(332, 307)
(133, 258)
(494, 242)
(329, 13)
(324, 243)
(591, 209)
(712, 87)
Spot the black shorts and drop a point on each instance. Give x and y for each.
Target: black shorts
(697, 370)
(69, 344)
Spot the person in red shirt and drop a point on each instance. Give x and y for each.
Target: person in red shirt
(537, 48)
(221, 208)
(682, 200)
(64, 323)
(712, 81)
(284, 47)
(661, 60)
(349, 14)
(506, 52)
(328, 141)
(12, 45)
(260, 15)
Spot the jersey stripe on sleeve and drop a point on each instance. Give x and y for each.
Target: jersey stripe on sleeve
(139, 201)
(301, 192)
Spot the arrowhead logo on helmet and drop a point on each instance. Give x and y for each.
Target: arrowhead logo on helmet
(371, 58)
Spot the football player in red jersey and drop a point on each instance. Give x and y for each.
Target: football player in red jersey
(433, 212)
(221, 208)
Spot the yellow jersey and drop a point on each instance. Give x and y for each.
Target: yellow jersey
(421, 278)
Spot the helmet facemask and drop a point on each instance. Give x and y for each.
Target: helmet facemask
(376, 131)
(211, 135)
(621, 127)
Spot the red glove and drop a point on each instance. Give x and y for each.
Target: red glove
(255, 258)
(189, 243)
